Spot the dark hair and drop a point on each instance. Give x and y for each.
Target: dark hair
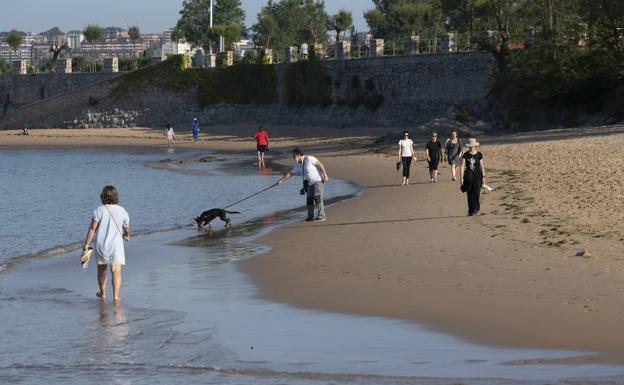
(260, 128)
(297, 151)
(453, 132)
(405, 132)
(109, 195)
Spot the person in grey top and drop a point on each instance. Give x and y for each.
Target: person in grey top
(453, 151)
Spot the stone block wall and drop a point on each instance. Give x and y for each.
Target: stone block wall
(414, 89)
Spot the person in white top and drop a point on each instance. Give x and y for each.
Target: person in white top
(314, 175)
(169, 134)
(406, 153)
(304, 50)
(110, 226)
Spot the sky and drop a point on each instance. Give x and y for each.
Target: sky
(150, 15)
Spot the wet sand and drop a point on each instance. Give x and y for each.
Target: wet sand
(505, 278)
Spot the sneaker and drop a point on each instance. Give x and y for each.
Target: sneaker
(432, 180)
(309, 219)
(317, 219)
(435, 180)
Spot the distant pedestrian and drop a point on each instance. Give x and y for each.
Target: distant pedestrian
(406, 154)
(195, 128)
(303, 50)
(110, 226)
(169, 134)
(262, 144)
(454, 152)
(472, 174)
(434, 155)
(314, 175)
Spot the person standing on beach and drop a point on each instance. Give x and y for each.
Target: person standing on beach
(406, 153)
(262, 144)
(170, 135)
(454, 153)
(472, 176)
(110, 225)
(195, 128)
(314, 175)
(434, 155)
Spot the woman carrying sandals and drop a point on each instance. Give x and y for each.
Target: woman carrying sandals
(110, 225)
(472, 176)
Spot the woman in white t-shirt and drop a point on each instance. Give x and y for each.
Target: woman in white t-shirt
(110, 225)
(169, 134)
(406, 153)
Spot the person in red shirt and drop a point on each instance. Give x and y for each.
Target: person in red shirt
(262, 144)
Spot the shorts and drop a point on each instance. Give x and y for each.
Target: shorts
(262, 147)
(433, 163)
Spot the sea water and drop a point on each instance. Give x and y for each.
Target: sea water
(187, 314)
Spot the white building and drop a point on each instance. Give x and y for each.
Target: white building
(180, 48)
(74, 39)
(243, 45)
(7, 54)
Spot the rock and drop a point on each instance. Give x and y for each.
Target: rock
(586, 254)
(206, 159)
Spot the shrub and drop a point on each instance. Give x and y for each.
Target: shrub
(306, 84)
(239, 84)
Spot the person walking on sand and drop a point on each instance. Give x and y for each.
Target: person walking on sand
(110, 225)
(472, 176)
(170, 135)
(406, 153)
(195, 129)
(314, 175)
(434, 155)
(262, 144)
(454, 153)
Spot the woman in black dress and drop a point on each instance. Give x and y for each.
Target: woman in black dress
(472, 176)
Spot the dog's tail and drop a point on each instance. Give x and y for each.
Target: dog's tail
(232, 212)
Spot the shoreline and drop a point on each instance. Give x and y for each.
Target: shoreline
(392, 253)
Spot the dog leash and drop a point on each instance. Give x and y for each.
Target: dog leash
(251, 196)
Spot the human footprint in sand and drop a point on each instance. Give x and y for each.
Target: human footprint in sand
(110, 225)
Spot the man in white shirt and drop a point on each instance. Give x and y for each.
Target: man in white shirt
(315, 175)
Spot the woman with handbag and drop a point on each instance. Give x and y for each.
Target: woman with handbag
(110, 225)
(472, 176)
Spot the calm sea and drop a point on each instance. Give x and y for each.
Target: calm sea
(188, 315)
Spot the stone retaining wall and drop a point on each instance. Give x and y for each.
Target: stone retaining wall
(414, 89)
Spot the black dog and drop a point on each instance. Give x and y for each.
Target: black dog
(207, 216)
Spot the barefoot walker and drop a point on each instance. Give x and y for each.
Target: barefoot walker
(110, 225)
(406, 153)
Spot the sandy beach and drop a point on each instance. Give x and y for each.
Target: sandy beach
(509, 277)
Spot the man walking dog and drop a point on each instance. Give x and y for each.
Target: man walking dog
(314, 175)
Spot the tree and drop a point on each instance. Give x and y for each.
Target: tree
(315, 23)
(14, 40)
(340, 22)
(134, 34)
(194, 22)
(264, 30)
(92, 33)
(395, 19)
(5, 68)
(606, 23)
(290, 22)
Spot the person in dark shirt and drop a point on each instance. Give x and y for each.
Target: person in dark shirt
(434, 155)
(472, 176)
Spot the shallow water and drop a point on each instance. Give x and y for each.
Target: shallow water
(188, 315)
